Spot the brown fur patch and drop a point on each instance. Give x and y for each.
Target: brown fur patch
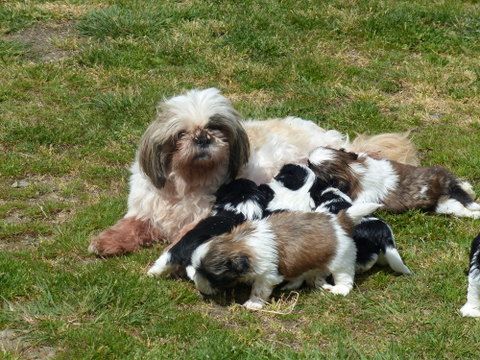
(410, 193)
(305, 241)
(339, 170)
(226, 249)
(127, 235)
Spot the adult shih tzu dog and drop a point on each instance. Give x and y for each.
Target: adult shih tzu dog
(198, 142)
(399, 187)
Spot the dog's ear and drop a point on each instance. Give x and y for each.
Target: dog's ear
(154, 155)
(238, 140)
(239, 264)
(239, 150)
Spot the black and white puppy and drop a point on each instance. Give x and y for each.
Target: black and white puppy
(373, 237)
(397, 186)
(472, 306)
(236, 202)
(290, 189)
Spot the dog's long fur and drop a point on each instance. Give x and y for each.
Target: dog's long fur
(283, 246)
(399, 187)
(472, 306)
(198, 142)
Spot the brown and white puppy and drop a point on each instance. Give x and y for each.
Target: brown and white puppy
(198, 142)
(283, 246)
(399, 187)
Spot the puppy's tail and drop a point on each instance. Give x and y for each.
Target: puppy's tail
(391, 146)
(357, 211)
(394, 260)
(162, 266)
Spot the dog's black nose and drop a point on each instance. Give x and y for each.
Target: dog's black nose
(203, 140)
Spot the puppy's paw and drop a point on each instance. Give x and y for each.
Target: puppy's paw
(470, 311)
(473, 207)
(255, 304)
(156, 270)
(337, 289)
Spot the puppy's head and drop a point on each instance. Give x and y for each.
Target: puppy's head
(334, 167)
(242, 196)
(222, 263)
(294, 176)
(197, 136)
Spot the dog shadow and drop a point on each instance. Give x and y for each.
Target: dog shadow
(241, 293)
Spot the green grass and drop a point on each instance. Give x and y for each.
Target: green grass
(73, 105)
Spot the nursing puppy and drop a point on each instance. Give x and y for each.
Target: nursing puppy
(290, 189)
(472, 306)
(399, 187)
(373, 237)
(283, 246)
(236, 202)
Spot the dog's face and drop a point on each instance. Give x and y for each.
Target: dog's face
(223, 262)
(197, 137)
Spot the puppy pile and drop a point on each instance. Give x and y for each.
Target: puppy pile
(313, 221)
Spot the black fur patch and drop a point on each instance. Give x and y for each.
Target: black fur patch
(222, 222)
(371, 236)
(241, 190)
(457, 193)
(292, 176)
(332, 201)
(475, 247)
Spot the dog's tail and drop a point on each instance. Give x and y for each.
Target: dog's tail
(394, 260)
(162, 266)
(357, 211)
(391, 146)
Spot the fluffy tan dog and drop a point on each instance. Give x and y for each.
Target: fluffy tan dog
(198, 142)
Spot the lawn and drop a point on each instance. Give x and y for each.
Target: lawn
(79, 81)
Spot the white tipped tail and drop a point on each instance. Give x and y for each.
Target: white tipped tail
(162, 266)
(359, 210)
(394, 260)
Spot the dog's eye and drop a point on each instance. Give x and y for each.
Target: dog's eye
(180, 135)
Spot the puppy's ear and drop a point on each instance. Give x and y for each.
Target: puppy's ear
(154, 154)
(239, 264)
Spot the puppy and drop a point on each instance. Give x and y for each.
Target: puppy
(283, 246)
(236, 202)
(472, 306)
(399, 187)
(373, 237)
(290, 189)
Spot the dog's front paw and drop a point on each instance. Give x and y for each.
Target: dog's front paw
(255, 304)
(337, 289)
(470, 311)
